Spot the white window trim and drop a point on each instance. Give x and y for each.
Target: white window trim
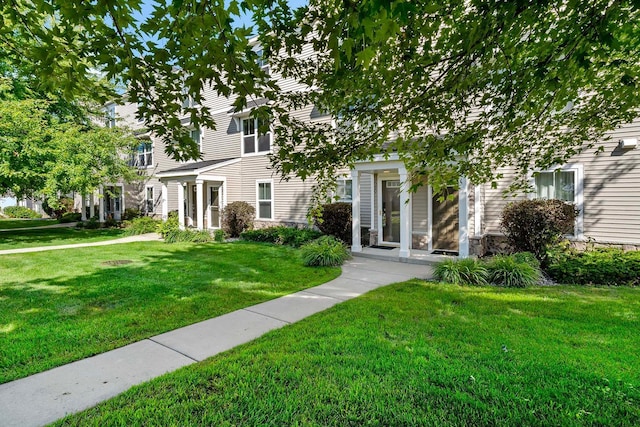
(153, 199)
(255, 140)
(138, 153)
(258, 200)
(111, 116)
(336, 196)
(578, 170)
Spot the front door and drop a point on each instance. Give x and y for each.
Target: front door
(215, 193)
(113, 203)
(390, 212)
(445, 221)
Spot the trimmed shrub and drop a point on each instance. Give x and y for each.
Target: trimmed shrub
(57, 208)
(219, 236)
(281, 235)
(535, 225)
(90, 224)
(237, 217)
(70, 217)
(507, 271)
(20, 212)
(612, 267)
(334, 219)
(469, 271)
(141, 225)
(324, 251)
(131, 213)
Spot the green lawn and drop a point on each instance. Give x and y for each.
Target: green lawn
(60, 306)
(416, 353)
(8, 224)
(55, 236)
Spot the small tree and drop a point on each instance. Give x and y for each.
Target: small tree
(534, 225)
(334, 219)
(237, 217)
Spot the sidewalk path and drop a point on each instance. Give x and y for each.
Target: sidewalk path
(139, 238)
(45, 397)
(40, 227)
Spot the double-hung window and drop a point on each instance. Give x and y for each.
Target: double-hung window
(566, 184)
(344, 190)
(144, 155)
(264, 199)
(196, 135)
(254, 142)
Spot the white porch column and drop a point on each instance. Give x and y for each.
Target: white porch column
(181, 205)
(83, 208)
(405, 228)
(101, 204)
(122, 207)
(463, 218)
(356, 244)
(91, 202)
(165, 201)
(199, 204)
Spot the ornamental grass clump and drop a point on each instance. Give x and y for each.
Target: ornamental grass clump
(141, 225)
(508, 271)
(326, 251)
(469, 271)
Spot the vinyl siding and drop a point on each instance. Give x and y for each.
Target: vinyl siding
(420, 209)
(611, 210)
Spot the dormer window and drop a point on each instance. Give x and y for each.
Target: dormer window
(252, 141)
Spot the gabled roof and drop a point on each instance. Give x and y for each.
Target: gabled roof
(197, 167)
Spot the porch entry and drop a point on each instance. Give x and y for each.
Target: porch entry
(445, 221)
(213, 198)
(113, 203)
(390, 212)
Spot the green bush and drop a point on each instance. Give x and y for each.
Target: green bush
(334, 219)
(527, 258)
(535, 225)
(194, 236)
(70, 217)
(20, 212)
(170, 225)
(58, 207)
(510, 272)
(90, 224)
(324, 251)
(131, 213)
(612, 267)
(469, 271)
(141, 225)
(281, 235)
(237, 217)
(219, 235)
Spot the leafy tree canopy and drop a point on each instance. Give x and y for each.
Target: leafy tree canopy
(454, 88)
(50, 145)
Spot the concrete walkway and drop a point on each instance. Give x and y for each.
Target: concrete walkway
(130, 239)
(45, 397)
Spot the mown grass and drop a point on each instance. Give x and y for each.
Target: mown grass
(8, 224)
(61, 306)
(416, 353)
(55, 236)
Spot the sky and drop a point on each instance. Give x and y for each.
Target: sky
(147, 8)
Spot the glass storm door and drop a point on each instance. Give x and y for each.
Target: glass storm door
(214, 205)
(391, 211)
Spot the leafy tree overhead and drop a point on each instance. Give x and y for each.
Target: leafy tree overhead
(454, 88)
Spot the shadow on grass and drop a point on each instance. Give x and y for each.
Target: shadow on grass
(73, 305)
(55, 236)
